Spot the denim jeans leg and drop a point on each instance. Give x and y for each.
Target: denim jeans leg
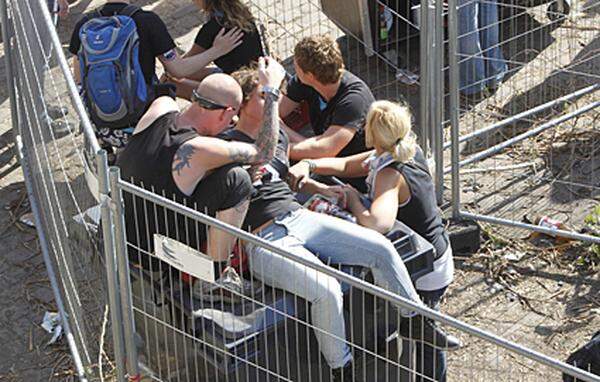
(495, 66)
(471, 65)
(341, 242)
(323, 291)
(431, 362)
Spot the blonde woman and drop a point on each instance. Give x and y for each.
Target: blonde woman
(224, 16)
(399, 187)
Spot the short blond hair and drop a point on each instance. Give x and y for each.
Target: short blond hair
(389, 125)
(321, 56)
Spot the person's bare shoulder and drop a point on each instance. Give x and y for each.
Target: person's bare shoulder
(158, 108)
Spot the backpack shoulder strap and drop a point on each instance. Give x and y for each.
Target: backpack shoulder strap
(130, 10)
(93, 15)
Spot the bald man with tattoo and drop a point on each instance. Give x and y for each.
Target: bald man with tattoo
(175, 153)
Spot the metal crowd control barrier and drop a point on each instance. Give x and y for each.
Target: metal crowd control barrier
(526, 146)
(49, 126)
(190, 334)
(161, 327)
(395, 46)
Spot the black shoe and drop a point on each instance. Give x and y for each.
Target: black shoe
(344, 374)
(420, 328)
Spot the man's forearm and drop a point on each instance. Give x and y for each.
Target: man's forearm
(311, 148)
(266, 141)
(292, 135)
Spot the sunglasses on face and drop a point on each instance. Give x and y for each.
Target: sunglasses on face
(206, 103)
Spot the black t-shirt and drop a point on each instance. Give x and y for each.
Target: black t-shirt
(155, 39)
(243, 55)
(272, 196)
(147, 162)
(347, 108)
(421, 212)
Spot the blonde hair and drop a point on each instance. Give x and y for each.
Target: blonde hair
(235, 13)
(389, 125)
(321, 56)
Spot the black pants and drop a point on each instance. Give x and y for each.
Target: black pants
(224, 188)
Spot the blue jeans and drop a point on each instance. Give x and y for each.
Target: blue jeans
(431, 362)
(320, 238)
(480, 56)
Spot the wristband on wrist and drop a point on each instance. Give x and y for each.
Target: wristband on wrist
(311, 165)
(271, 91)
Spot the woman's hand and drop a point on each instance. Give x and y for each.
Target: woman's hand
(336, 192)
(225, 42)
(353, 199)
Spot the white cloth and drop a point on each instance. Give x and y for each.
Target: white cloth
(442, 274)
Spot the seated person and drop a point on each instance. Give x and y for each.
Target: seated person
(223, 15)
(154, 42)
(400, 187)
(275, 216)
(338, 102)
(175, 154)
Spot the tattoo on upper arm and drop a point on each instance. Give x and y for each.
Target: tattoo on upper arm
(182, 158)
(240, 154)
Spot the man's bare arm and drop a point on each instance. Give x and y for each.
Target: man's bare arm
(328, 144)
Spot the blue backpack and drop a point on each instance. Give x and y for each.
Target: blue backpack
(114, 88)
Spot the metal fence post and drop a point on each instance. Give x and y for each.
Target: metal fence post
(437, 102)
(454, 124)
(110, 263)
(123, 272)
(425, 77)
(6, 38)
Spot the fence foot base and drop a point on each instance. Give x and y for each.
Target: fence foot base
(465, 236)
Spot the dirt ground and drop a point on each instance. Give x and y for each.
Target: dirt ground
(544, 297)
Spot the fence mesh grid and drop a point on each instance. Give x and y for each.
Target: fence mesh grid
(550, 85)
(181, 338)
(53, 151)
(192, 329)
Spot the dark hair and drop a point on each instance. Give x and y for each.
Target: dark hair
(247, 77)
(235, 13)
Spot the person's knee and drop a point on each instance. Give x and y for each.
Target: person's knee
(329, 291)
(237, 185)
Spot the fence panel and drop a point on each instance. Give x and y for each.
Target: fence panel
(526, 111)
(192, 328)
(270, 335)
(379, 39)
(49, 125)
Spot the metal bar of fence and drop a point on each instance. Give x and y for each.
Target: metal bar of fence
(6, 38)
(46, 255)
(454, 104)
(124, 277)
(71, 86)
(501, 146)
(516, 117)
(357, 283)
(532, 227)
(438, 102)
(425, 77)
(111, 266)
